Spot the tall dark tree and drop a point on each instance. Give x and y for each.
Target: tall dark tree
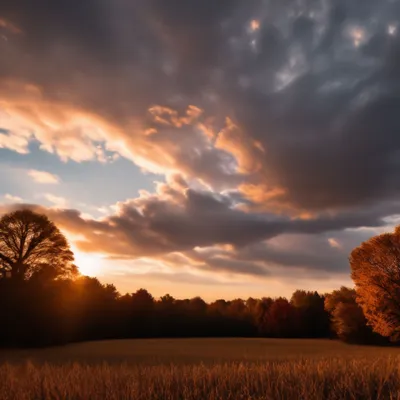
(31, 245)
(314, 320)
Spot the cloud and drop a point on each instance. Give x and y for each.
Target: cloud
(13, 199)
(43, 177)
(58, 201)
(334, 243)
(17, 143)
(59, 127)
(280, 118)
(178, 224)
(301, 94)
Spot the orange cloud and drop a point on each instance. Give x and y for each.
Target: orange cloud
(167, 143)
(255, 25)
(272, 199)
(334, 243)
(170, 117)
(232, 140)
(263, 196)
(61, 128)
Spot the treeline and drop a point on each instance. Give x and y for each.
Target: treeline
(43, 312)
(44, 301)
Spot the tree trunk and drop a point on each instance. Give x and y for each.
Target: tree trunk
(18, 272)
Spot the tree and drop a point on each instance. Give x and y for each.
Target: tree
(314, 319)
(347, 318)
(375, 266)
(31, 245)
(281, 319)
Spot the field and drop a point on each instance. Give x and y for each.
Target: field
(202, 369)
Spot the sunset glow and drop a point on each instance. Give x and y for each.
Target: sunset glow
(207, 148)
(89, 264)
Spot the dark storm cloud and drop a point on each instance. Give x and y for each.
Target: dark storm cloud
(85, 22)
(312, 88)
(330, 131)
(191, 27)
(316, 83)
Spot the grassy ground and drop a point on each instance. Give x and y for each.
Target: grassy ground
(216, 369)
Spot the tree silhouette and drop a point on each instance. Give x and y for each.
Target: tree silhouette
(314, 320)
(31, 245)
(375, 268)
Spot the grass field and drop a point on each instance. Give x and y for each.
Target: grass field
(202, 369)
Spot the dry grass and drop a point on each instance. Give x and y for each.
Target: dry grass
(323, 379)
(203, 369)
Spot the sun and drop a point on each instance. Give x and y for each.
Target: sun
(89, 264)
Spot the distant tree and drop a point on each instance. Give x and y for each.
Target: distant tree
(30, 244)
(281, 319)
(314, 320)
(375, 266)
(262, 317)
(252, 306)
(142, 301)
(197, 305)
(140, 313)
(237, 308)
(347, 318)
(302, 298)
(167, 299)
(218, 307)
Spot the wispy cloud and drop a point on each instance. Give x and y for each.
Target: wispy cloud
(334, 243)
(43, 177)
(14, 199)
(58, 201)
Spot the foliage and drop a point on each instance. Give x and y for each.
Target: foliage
(347, 318)
(310, 305)
(83, 309)
(375, 266)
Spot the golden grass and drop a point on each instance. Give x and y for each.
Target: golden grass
(202, 369)
(303, 379)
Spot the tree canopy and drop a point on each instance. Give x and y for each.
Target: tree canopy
(375, 266)
(31, 245)
(347, 318)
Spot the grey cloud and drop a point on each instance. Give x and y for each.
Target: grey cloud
(316, 255)
(329, 134)
(316, 86)
(323, 106)
(181, 220)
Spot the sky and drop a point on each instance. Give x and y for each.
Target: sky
(224, 149)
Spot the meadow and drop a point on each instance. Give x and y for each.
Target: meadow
(202, 369)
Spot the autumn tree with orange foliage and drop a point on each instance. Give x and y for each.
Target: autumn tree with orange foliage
(347, 318)
(375, 266)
